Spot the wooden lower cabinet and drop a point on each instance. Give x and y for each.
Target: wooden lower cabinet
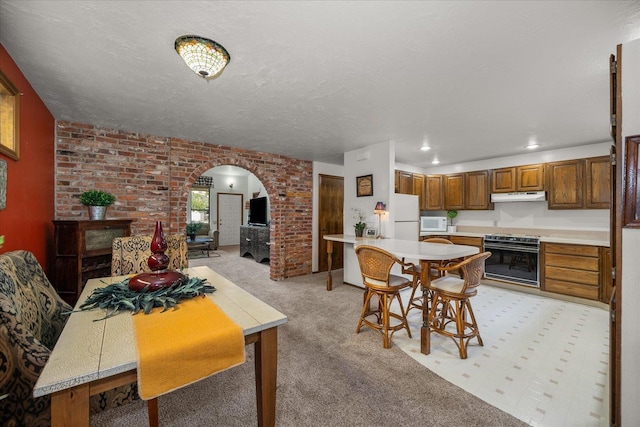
(571, 270)
(459, 240)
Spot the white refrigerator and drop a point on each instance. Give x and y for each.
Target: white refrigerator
(406, 217)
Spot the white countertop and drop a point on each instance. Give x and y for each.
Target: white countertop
(587, 240)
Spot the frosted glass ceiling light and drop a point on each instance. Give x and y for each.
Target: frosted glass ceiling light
(205, 57)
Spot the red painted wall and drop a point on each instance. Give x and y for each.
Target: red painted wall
(26, 221)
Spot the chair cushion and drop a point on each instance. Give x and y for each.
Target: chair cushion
(448, 284)
(394, 282)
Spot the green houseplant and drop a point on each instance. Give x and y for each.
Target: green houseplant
(451, 215)
(97, 201)
(193, 228)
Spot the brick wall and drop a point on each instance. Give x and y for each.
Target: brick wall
(151, 177)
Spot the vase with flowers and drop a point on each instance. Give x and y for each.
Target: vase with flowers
(360, 225)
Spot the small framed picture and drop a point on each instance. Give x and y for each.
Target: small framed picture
(372, 232)
(364, 185)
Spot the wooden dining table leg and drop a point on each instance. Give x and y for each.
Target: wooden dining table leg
(266, 366)
(425, 332)
(329, 257)
(70, 407)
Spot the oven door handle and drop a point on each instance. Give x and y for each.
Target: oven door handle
(512, 248)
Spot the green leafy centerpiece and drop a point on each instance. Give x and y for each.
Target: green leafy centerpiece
(117, 297)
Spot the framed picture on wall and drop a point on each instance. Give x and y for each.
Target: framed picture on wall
(364, 185)
(9, 118)
(631, 188)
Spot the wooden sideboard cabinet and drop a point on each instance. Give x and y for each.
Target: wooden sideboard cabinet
(83, 251)
(254, 240)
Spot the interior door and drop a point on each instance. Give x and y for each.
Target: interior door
(330, 206)
(229, 218)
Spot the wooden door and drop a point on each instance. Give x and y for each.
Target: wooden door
(565, 184)
(330, 221)
(615, 236)
(229, 218)
(454, 191)
(434, 199)
(598, 181)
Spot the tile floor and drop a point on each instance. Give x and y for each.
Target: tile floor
(545, 361)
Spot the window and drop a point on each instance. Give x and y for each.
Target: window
(199, 205)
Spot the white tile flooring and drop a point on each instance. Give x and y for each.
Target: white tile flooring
(545, 361)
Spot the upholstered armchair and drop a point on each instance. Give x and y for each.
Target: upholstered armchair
(31, 320)
(130, 254)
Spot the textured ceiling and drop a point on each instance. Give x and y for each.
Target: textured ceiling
(311, 80)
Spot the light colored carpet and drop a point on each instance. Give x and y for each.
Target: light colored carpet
(327, 374)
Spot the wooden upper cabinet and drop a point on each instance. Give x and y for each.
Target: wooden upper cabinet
(565, 184)
(418, 189)
(598, 180)
(504, 180)
(405, 182)
(434, 196)
(477, 190)
(454, 191)
(520, 178)
(530, 178)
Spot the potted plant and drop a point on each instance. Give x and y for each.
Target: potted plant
(451, 215)
(97, 201)
(360, 225)
(193, 228)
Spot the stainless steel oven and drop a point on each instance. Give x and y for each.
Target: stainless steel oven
(513, 258)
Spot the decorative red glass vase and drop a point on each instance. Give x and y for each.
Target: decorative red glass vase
(158, 262)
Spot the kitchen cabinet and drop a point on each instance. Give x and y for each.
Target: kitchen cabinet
(565, 184)
(459, 240)
(404, 182)
(477, 190)
(418, 189)
(579, 183)
(434, 194)
(83, 251)
(518, 178)
(454, 191)
(598, 180)
(573, 270)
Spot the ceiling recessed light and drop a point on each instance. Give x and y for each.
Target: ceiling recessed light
(532, 146)
(435, 162)
(425, 148)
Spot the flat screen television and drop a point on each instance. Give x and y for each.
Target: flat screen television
(258, 211)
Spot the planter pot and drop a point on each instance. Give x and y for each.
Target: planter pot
(359, 233)
(452, 228)
(192, 237)
(97, 213)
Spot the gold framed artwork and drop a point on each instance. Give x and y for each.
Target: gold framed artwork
(9, 118)
(631, 188)
(364, 185)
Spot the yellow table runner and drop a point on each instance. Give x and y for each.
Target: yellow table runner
(184, 345)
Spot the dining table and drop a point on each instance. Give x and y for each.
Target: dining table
(93, 355)
(423, 252)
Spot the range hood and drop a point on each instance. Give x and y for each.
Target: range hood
(525, 196)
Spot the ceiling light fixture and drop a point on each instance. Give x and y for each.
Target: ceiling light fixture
(532, 146)
(425, 148)
(205, 57)
(435, 162)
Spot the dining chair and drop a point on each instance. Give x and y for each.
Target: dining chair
(418, 301)
(451, 314)
(375, 266)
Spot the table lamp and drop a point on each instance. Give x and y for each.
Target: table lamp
(380, 210)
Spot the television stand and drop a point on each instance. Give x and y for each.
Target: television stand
(254, 240)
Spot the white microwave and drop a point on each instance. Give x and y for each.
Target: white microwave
(433, 223)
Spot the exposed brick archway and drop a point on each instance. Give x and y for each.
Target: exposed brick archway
(151, 177)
